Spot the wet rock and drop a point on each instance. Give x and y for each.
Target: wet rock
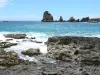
(6, 44)
(15, 36)
(33, 38)
(31, 52)
(47, 17)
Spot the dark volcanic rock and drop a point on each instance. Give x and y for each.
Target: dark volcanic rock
(15, 36)
(84, 49)
(47, 17)
(31, 52)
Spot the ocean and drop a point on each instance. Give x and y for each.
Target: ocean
(48, 29)
(43, 30)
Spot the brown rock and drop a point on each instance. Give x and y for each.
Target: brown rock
(31, 52)
(15, 36)
(47, 17)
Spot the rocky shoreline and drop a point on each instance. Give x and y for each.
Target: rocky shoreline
(67, 55)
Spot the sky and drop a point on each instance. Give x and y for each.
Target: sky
(32, 10)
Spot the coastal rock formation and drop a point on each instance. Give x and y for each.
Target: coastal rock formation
(31, 52)
(94, 20)
(71, 19)
(61, 19)
(86, 19)
(15, 36)
(47, 17)
(6, 44)
(71, 56)
(78, 20)
(8, 59)
(82, 49)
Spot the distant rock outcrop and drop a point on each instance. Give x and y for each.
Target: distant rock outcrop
(71, 19)
(47, 17)
(94, 20)
(78, 20)
(61, 19)
(86, 19)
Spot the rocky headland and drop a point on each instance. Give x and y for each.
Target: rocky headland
(67, 55)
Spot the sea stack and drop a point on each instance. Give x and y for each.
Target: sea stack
(71, 19)
(61, 19)
(47, 17)
(86, 19)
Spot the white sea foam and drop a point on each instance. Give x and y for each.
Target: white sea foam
(24, 44)
(2, 38)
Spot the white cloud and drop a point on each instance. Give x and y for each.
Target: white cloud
(3, 3)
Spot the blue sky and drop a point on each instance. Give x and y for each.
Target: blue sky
(33, 9)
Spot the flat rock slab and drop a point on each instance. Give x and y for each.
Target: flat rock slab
(15, 36)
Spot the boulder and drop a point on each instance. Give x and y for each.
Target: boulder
(15, 36)
(6, 44)
(47, 17)
(31, 52)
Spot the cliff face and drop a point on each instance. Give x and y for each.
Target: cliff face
(47, 17)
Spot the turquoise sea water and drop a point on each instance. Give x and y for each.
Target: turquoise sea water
(47, 29)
